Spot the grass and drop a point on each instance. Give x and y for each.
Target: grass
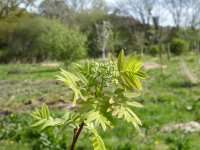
(13, 145)
(167, 98)
(27, 72)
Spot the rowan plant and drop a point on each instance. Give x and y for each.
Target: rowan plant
(102, 92)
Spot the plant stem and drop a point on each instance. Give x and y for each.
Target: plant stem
(77, 132)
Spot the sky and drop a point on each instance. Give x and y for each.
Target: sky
(110, 1)
(167, 21)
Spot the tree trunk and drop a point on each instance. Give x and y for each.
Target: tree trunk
(103, 53)
(160, 55)
(168, 52)
(198, 51)
(142, 51)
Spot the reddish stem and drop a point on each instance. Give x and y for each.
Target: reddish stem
(77, 132)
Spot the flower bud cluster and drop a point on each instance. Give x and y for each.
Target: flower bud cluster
(107, 72)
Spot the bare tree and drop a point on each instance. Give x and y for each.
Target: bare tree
(103, 33)
(56, 9)
(73, 5)
(6, 6)
(140, 40)
(139, 9)
(192, 13)
(78, 5)
(176, 9)
(66, 10)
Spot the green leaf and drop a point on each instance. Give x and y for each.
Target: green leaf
(137, 67)
(136, 82)
(127, 114)
(111, 57)
(69, 75)
(82, 78)
(77, 66)
(135, 104)
(98, 143)
(121, 60)
(141, 74)
(43, 118)
(45, 111)
(130, 71)
(51, 122)
(39, 123)
(134, 115)
(129, 80)
(71, 119)
(131, 95)
(130, 61)
(36, 117)
(37, 112)
(70, 80)
(88, 67)
(118, 91)
(99, 119)
(92, 116)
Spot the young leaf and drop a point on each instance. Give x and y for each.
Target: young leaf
(131, 71)
(135, 104)
(111, 57)
(131, 95)
(45, 111)
(39, 123)
(121, 60)
(70, 80)
(44, 119)
(104, 91)
(99, 119)
(141, 74)
(98, 143)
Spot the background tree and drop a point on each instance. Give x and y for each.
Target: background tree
(55, 9)
(7, 6)
(103, 34)
(139, 9)
(177, 10)
(192, 14)
(140, 41)
(67, 11)
(36, 39)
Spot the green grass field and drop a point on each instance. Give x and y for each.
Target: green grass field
(168, 98)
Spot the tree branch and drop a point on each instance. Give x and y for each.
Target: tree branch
(77, 132)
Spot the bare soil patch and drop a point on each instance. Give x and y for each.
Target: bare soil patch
(152, 65)
(188, 127)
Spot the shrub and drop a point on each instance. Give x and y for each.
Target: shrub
(153, 50)
(63, 43)
(179, 46)
(102, 93)
(5, 55)
(39, 39)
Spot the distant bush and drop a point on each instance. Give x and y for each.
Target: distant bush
(153, 50)
(62, 43)
(5, 55)
(35, 39)
(179, 46)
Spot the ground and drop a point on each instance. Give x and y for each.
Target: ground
(169, 99)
